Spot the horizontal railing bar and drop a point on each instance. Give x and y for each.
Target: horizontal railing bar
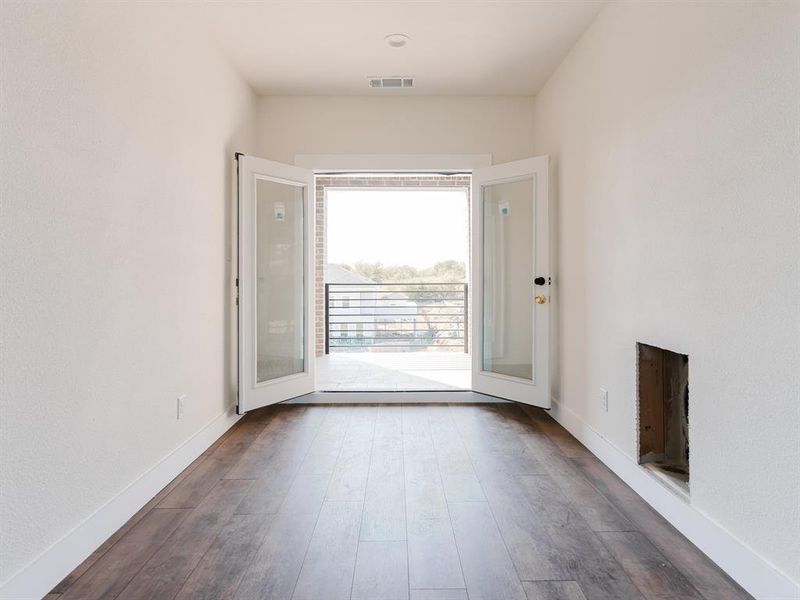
(460, 297)
(434, 304)
(395, 339)
(387, 307)
(397, 315)
(459, 326)
(422, 294)
(406, 320)
(395, 301)
(400, 284)
(394, 332)
(403, 334)
(412, 316)
(399, 330)
(339, 343)
(407, 299)
(396, 345)
(426, 323)
(346, 316)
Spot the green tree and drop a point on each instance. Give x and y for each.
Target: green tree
(448, 271)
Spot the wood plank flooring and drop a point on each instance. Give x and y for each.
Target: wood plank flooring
(397, 502)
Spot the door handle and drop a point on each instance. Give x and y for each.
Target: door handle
(540, 299)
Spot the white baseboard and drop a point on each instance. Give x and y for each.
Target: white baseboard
(40, 576)
(748, 568)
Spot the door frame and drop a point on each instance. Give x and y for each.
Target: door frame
(324, 164)
(394, 163)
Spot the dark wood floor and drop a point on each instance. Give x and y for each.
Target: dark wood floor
(430, 502)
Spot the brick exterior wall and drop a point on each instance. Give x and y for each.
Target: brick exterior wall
(322, 184)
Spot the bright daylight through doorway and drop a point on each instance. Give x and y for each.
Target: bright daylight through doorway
(396, 289)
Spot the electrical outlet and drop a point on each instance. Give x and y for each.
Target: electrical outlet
(604, 399)
(181, 406)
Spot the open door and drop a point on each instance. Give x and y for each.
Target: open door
(275, 282)
(511, 281)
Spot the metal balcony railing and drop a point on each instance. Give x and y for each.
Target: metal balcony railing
(399, 317)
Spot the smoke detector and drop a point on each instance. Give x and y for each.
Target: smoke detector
(395, 82)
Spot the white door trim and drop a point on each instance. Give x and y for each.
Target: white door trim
(392, 163)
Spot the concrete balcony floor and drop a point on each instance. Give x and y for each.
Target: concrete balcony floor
(393, 371)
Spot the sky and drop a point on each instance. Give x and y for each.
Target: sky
(397, 227)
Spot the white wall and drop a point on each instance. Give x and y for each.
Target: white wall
(118, 128)
(674, 129)
(394, 124)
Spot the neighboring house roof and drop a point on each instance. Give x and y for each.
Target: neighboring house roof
(337, 274)
(399, 296)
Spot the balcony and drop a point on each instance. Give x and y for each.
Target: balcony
(396, 317)
(395, 337)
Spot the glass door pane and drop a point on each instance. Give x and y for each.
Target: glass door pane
(280, 285)
(507, 319)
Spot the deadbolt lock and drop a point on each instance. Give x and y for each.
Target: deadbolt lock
(540, 299)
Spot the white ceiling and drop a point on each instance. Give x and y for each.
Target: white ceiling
(456, 48)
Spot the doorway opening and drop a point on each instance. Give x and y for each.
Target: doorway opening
(392, 282)
(279, 313)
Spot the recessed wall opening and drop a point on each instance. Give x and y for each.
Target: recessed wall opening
(664, 413)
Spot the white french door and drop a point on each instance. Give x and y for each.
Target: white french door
(511, 281)
(275, 279)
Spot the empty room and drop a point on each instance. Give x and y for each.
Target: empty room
(400, 300)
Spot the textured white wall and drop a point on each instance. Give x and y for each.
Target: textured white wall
(674, 129)
(394, 124)
(118, 128)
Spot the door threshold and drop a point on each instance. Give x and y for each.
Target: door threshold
(394, 397)
(422, 391)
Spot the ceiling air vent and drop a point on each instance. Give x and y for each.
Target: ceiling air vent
(391, 82)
